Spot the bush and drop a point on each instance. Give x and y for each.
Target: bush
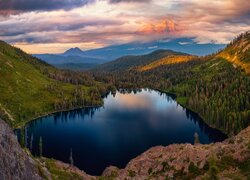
(150, 170)
(193, 169)
(131, 173)
(213, 169)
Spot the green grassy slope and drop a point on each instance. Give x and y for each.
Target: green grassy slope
(27, 93)
(129, 62)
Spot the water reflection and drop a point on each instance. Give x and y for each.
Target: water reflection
(127, 125)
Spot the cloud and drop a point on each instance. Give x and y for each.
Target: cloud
(17, 6)
(130, 1)
(162, 26)
(184, 43)
(100, 23)
(219, 11)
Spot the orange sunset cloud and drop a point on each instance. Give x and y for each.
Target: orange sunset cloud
(159, 27)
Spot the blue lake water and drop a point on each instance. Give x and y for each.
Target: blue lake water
(126, 126)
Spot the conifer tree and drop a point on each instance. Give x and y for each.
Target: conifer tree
(71, 158)
(40, 146)
(196, 138)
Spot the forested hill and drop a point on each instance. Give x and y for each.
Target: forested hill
(30, 88)
(129, 62)
(174, 59)
(238, 51)
(217, 86)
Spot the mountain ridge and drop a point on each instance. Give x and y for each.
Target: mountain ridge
(113, 52)
(210, 86)
(132, 61)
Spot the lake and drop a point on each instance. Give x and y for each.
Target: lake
(124, 127)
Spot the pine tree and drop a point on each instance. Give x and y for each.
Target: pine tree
(196, 138)
(41, 146)
(71, 158)
(22, 137)
(25, 137)
(31, 142)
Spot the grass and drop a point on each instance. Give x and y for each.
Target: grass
(24, 89)
(182, 100)
(60, 173)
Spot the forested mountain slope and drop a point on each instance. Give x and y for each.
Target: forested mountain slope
(30, 88)
(165, 61)
(129, 62)
(238, 52)
(213, 86)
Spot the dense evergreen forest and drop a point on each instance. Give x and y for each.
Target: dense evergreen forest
(214, 87)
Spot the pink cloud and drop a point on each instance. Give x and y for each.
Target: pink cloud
(103, 23)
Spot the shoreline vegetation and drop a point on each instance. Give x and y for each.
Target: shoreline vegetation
(190, 109)
(22, 124)
(32, 88)
(172, 95)
(72, 90)
(215, 87)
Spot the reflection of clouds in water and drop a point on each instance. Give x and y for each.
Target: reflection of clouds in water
(133, 101)
(144, 99)
(128, 125)
(156, 109)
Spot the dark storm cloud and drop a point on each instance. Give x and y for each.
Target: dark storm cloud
(17, 6)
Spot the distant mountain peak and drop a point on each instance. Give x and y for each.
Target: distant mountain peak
(73, 51)
(76, 48)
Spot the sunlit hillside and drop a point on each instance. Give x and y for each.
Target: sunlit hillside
(238, 52)
(166, 60)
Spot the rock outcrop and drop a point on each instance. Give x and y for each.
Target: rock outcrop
(224, 160)
(15, 163)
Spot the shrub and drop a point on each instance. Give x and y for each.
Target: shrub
(150, 170)
(193, 169)
(131, 173)
(213, 169)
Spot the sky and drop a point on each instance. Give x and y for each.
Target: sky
(53, 26)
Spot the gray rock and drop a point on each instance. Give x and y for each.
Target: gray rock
(15, 163)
